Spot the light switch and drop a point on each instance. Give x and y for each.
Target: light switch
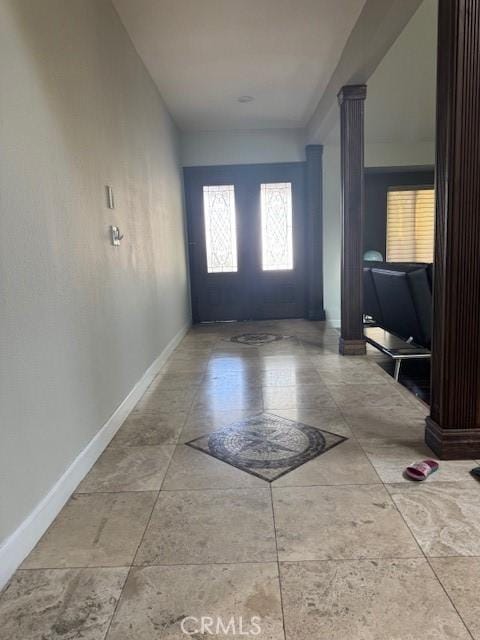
(110, 200)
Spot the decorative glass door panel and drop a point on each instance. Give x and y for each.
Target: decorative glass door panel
(277, 240)
(220, 228)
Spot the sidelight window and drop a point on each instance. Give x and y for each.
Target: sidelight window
(220, 228)
(276, 214)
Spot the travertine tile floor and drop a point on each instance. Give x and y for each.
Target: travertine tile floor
(341, 547)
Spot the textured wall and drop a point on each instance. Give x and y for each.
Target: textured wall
(80, 320)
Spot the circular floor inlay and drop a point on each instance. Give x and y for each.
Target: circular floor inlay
(269, 446)
(256, 338)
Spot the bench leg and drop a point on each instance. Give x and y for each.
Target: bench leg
(396, 373)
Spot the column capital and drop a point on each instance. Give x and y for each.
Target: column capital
(352, 92)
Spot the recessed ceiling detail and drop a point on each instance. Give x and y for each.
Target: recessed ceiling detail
(201, 54)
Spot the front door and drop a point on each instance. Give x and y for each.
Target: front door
(246, 232)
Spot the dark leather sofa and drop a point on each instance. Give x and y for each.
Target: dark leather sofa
(398, 296)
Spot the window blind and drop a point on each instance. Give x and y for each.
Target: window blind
(410, 224)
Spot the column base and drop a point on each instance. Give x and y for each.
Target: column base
(452, 444)
(352, 347)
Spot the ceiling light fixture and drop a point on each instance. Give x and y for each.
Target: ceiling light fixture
(245, 99)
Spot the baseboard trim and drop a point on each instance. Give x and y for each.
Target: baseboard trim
(19, 544)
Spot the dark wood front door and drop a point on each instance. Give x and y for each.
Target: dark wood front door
(246, 232)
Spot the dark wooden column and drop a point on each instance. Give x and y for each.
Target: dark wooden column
(314, 191)
(351, 99)
(453, 427)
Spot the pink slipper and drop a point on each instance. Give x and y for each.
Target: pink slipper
(421, 470)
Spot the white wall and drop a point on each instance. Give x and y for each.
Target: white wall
(81, 321)
(400, 104)
(332, 231)
(398, 154)
(243, 147)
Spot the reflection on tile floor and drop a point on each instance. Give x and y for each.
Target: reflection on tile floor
(341, 546)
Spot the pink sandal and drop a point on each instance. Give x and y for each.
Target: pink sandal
(421, 470)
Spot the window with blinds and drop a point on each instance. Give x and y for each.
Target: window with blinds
(410, 224)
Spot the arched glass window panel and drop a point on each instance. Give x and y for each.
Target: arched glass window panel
(220, 228)
(276, 214)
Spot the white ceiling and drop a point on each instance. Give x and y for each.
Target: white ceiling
(204, 54)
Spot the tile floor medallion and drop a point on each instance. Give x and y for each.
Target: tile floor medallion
(256, 339)
(267, 446)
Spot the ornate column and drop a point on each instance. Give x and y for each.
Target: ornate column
(314, 191)
(453, 427)
(351, 99)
